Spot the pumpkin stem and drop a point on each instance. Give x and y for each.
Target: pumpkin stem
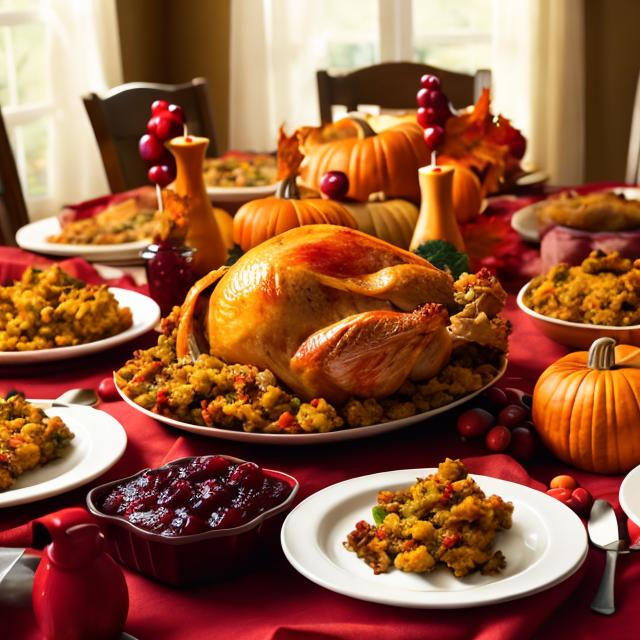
(602, 354)
(288, 188)
(365, 128)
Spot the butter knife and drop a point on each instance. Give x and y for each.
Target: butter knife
(604, 533)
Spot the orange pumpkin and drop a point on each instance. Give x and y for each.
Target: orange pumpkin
(259, 220)
(587, 410)
(467, 191)
(387, 161)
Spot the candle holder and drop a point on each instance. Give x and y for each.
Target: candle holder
(170, 274)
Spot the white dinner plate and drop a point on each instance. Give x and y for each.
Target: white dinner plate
(629, 495)
(308, 438)
(98, 444)
(525, 220)
(33, 237)
(240, 194)
(146, 314)
(546, 544)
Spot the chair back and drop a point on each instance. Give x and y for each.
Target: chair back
(120, 117)
(393, 85)
(632, 175)
(13, 211)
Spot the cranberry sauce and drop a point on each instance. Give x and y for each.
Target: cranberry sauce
(204, 493)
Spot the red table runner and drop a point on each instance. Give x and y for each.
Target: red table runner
(271, 600)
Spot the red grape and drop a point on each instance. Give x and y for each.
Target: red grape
(107, 390)
(158, 105)
(335, 184)
(474, 422)
(433, 136)
(177, 112)
(523, 443)
(163, 128)
(512, 415)
(498, 438)
(583, 499)
(422, 97)
(161, 174)
(564, 482)
(150, 148)
(429, 81)
(496, 397)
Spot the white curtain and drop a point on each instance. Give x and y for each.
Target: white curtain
(538, 80)
(84, 57)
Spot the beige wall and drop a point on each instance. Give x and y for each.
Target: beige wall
(175, 40)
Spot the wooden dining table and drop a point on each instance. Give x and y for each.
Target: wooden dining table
(269, 599)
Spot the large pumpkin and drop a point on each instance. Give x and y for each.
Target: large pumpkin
(259, 220)
(387, 161)
(390, 220)
(586, 407)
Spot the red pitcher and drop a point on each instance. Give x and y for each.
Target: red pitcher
(79, 592)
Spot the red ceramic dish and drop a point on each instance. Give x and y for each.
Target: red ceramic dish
(184, 559)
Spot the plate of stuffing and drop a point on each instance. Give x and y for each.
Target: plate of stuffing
(240, 177)
(433, 538)
(50, 315)
(45, 450)
(575, 305)
(115, 235)
(611, 211)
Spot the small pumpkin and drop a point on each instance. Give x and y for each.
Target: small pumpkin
(390, 220)
(467, 191)
(259, 220)
(387, 161)
(587, 410)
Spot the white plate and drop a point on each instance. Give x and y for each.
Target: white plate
(534, 178)
(240, 194)
(99, 443)
(33, 237)
(629, 495)
(525, 220)
(546, 544)
(308, 438)
(146, 314)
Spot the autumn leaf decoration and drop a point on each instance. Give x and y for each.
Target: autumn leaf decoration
(289, 155)
(171, 223)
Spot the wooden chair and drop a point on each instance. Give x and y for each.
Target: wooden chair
(393, 85)
(120, 117)
(13, 211)
(632, 175)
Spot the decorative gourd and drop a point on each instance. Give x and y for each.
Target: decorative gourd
(259, 220)
(225, 222)
(586, 407)
(387, 161)
(467, 191)
(437, 220)
(203, 233)
(390, 220)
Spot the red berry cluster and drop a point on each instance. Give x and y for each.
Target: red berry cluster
(566, 489)
(335, 185)
(433, 110)
(166, 122)
(504, 420)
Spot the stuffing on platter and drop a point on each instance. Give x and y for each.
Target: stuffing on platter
(596, 212)
(604, 290)
(49, 308)
(443, 519)
(238, 171)
(123, 222)
(28, 438)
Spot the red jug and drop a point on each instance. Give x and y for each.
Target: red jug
(79, 592)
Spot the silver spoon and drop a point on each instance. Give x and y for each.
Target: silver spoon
(87, 397)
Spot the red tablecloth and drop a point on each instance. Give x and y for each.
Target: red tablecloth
(272, 600)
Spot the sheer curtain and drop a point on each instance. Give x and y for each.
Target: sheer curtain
(84, 56)
(538, 80)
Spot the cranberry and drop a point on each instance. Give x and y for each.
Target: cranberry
(498, 438)
(583, 500)
(429, 81)
(158, 105)
(512, 415)
(113, 502)
(564, 482)
(495, 397)
(177, 494)
(231, 518)
(247, 473)
(209, 467)
(161, 174)
(474, 422)
(151, 149)
(193, 524)
(107, 390)
(433, 136)
(177, 112)
(437, 100)
(422, 98)
(163, 127)
(523, 443)
(559, 493)
(335, 185)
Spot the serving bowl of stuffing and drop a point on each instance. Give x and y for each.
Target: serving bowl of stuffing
(575, 305)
